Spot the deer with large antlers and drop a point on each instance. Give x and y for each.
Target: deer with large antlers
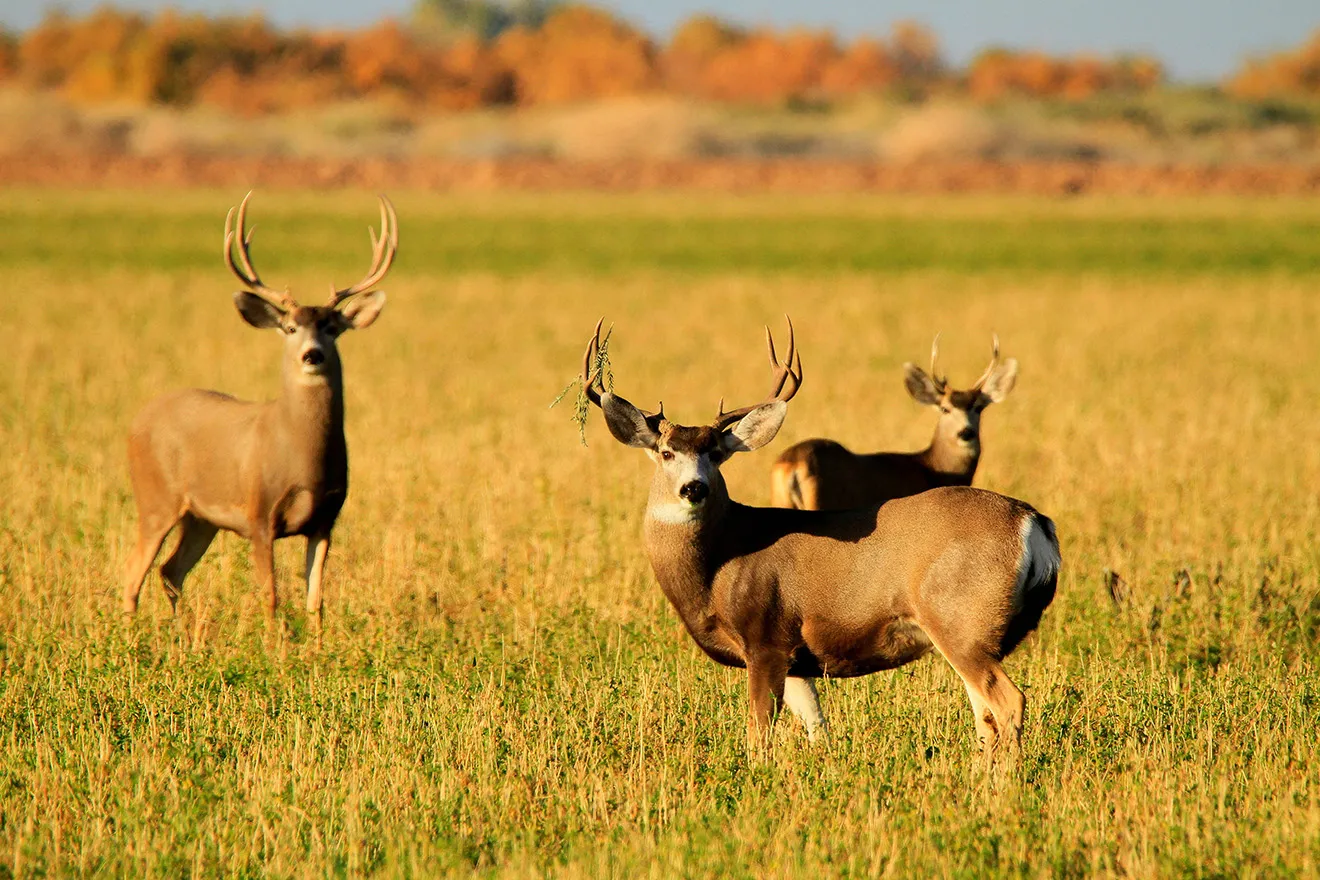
(205, 461)
(793, 595)
(826, 475)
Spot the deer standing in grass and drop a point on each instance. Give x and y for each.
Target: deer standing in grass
(825, 475)
(793, 595)
(205, 461)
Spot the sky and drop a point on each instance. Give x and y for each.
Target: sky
(1198, 40)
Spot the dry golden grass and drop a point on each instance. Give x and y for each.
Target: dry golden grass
(504, 690)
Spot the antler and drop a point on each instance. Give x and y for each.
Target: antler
(787, 379)
(248, 275)
(941, 382)
(994, 362)
(591, 375)
(383, 250)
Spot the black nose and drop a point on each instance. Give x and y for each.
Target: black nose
(313, 357)
(967, 435)
(694, 491)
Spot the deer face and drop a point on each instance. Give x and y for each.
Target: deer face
(310, 332)
(687, 478)
(960, 411)
(688, 459)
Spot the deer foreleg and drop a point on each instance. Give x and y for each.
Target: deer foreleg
(263, 564)
(318, 548)
(765, 692)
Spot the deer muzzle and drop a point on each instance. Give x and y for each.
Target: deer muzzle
(694, 492)
(313, 359)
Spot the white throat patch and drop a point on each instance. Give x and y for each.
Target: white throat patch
(676, 514)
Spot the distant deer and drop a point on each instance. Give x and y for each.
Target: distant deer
(205, 461)
(792, 595)
(825, 475)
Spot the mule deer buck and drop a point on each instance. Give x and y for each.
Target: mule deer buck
(205, 461)
(793, 595)
(825, 475)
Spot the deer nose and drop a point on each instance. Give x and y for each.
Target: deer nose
(313, 357)
(967, 435)
(694, 491)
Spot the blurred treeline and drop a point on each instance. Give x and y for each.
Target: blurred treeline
(463, 54)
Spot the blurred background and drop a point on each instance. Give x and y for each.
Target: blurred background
(649, 95)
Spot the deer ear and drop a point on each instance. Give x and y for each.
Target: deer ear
(257, 312)
(920, 386)
(361, 311)
(1001, 381)
(627, 423)
(755, 429)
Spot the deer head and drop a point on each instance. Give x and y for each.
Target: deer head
(310, 332)
(687, 480)
(960, 411)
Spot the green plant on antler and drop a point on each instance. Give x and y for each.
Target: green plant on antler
(600, 372)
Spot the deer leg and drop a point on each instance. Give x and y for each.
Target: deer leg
(318, 547)
(986, 731)
(998, 703)
(802, 700)
(195, 536)
(1008, 704)
(263, 563)
(151, 534)
(765, 691)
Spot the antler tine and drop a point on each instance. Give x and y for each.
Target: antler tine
(242, 237)
(383, 251)
(940, 381)
(591, 373)
(994, 362)
(786, 382)
(590, 370)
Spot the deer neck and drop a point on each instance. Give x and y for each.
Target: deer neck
(311, 409)
(951, 458)
(681, 543)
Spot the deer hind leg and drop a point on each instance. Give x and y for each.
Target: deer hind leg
(802, 700)
(987, 731)
(194, 538)
(998, 703)
(151, 534)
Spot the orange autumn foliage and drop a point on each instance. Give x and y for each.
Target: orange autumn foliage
(578, 53)
(1295, 72)
(998, 73)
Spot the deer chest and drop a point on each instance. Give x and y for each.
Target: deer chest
(304, 511)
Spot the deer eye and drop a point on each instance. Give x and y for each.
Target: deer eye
(291, 329)
(666, 454)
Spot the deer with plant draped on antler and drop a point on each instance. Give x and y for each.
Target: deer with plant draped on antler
(793, 595)
(205, 461)
(825, 475)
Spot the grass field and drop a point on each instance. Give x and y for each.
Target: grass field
(503, 689)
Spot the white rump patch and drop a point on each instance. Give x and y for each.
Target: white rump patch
(1039, 562)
